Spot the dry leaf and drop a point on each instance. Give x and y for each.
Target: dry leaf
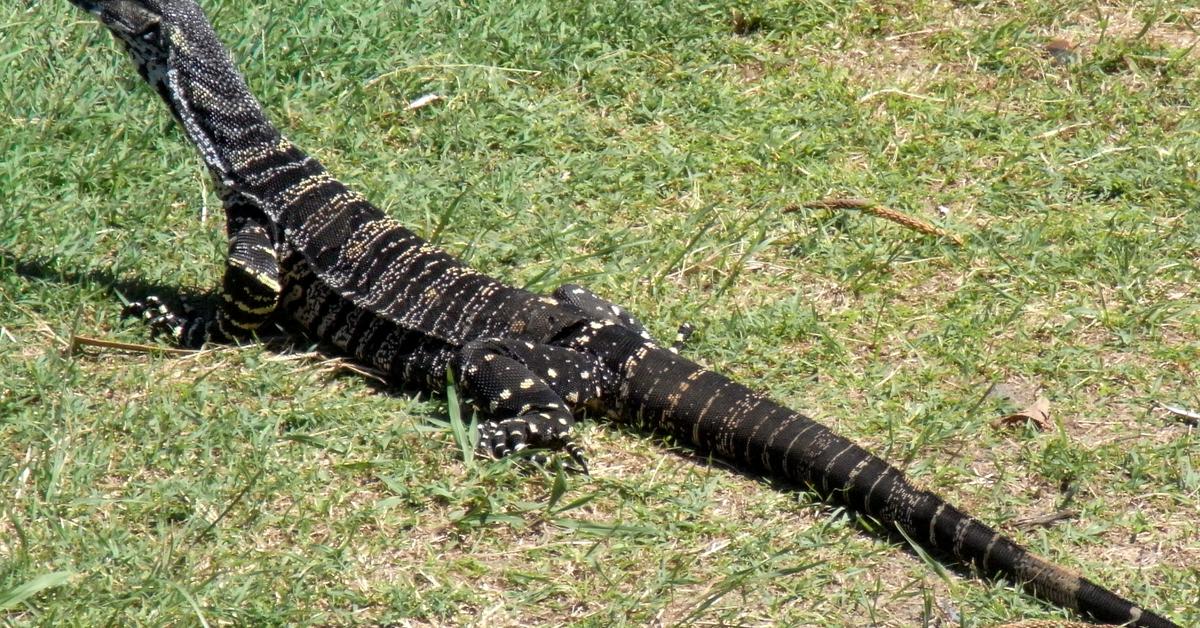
(1189, 417)
(1038, 413)
(1061, 51)
(424, 101)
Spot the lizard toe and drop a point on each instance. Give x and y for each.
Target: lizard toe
(157, 315)
(542, 431)
(578, 458)
(139, 309)
(491, 440)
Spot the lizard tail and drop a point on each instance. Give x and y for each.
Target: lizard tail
(734, 423)
(973, 542)
(849, 472)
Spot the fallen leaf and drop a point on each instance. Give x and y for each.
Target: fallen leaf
(1061, 51)
(1038, 413)
(424, 101)
(744, 24)
(1189, 417)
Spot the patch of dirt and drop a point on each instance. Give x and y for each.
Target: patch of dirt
(1126, 22)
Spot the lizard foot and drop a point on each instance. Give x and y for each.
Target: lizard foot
(681, 337)
(157, 315)
(542, 431)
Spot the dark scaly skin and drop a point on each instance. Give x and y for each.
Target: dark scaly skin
(306, 248)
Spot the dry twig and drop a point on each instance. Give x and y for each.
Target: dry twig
(887, 213)
(86, 341)
(1046, 520)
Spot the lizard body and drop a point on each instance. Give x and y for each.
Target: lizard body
(305, 247)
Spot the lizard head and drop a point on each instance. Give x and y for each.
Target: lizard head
(138, 25)
(177, 53)
(153, 31)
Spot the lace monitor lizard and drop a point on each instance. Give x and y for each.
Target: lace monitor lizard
(305, 247)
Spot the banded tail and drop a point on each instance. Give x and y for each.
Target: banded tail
(719, 416)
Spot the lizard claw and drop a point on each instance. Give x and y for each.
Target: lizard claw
(499, 439)
(576, 464)
(577, 457)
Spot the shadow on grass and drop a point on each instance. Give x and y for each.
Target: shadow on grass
(51, 269)
(828, 504)
(277, 336)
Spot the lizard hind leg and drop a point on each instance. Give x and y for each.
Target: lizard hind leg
(528, 393)
(602, 309)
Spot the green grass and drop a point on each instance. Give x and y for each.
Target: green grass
(648, 150)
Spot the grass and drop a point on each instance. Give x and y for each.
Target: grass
(647, 149)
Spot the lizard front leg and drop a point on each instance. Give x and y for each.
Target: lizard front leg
(528, 392)
(249, 293)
